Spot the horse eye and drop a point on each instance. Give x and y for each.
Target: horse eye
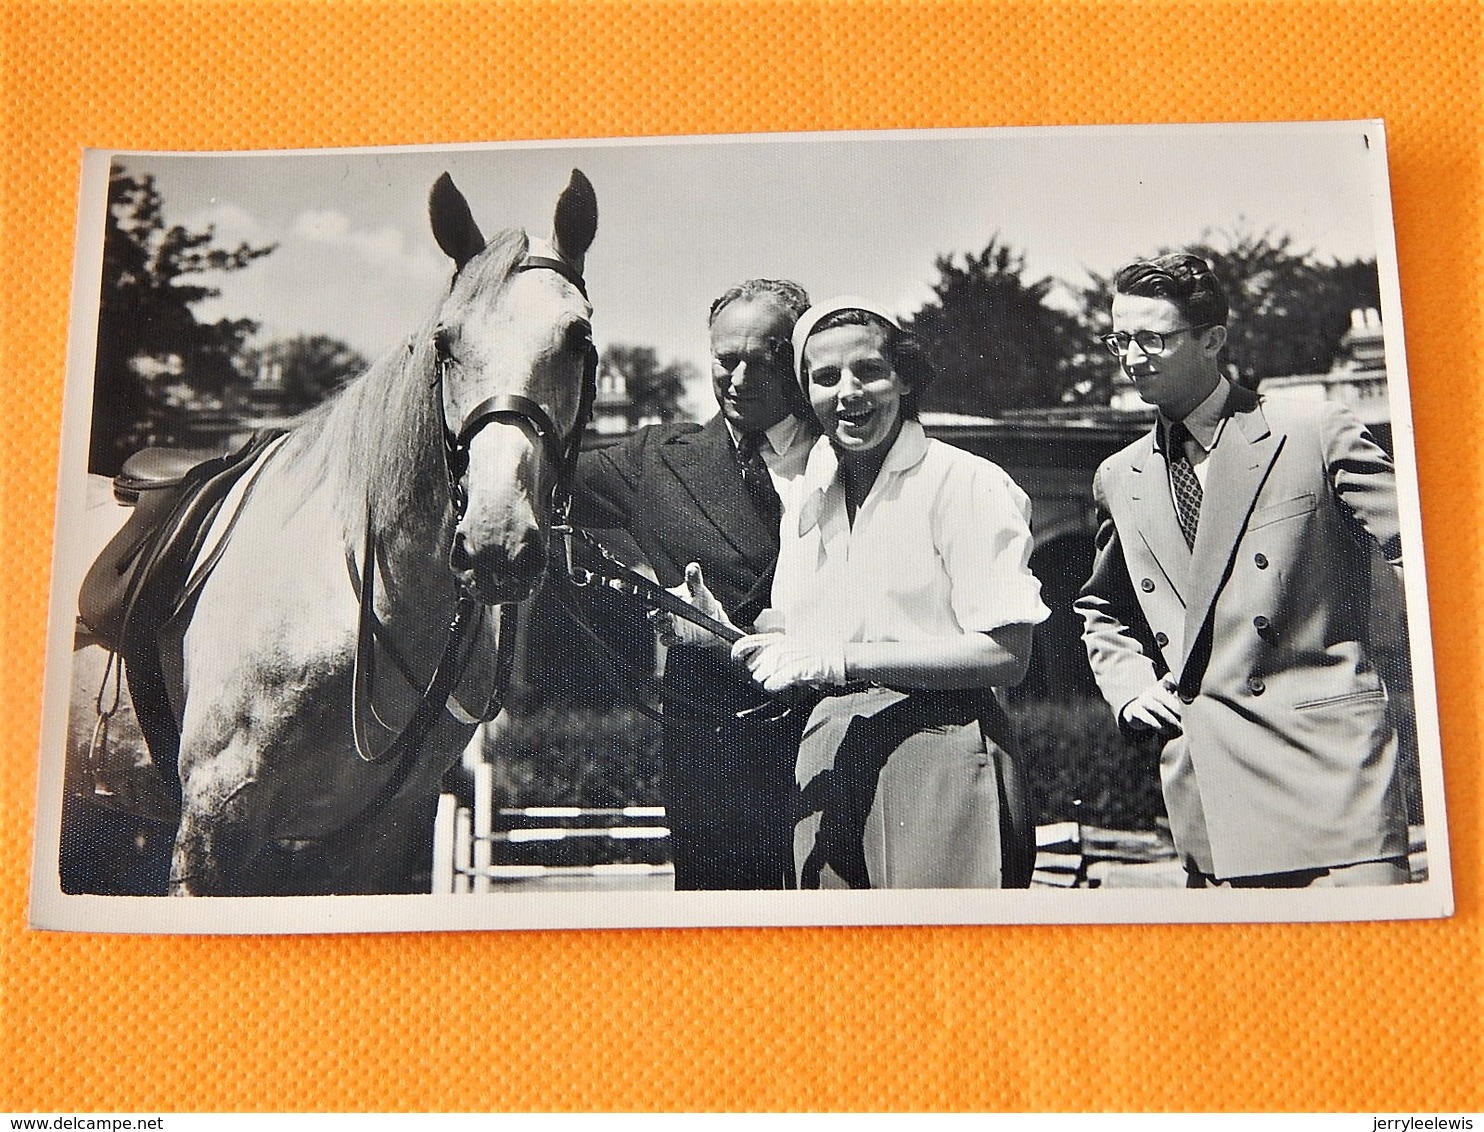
(441, 337)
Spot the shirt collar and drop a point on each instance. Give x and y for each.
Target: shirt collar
(820, 475)
(780, 436)
(1205, 420)
(908, 449)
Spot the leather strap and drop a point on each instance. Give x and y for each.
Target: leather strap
(405, 745)
(437, 696)
(614, 575)
(635, 679)
(561, 267)
(511, 406)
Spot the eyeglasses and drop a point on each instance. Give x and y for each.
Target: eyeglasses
(1152, 342)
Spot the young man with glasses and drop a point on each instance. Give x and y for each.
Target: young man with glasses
(1227, 613)
(711, 495)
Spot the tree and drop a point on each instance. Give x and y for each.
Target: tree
(1289, 309)
(302, 371)
(995, 340)
(654, 390)
(154, 357)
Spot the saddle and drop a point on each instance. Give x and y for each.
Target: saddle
(137, 596)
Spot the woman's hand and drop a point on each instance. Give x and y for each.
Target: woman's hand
(783, 660)
(673, 630)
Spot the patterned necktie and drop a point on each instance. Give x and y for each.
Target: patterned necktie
(1183, 480)
(755, 477)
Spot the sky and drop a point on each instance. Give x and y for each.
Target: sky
(681, 220)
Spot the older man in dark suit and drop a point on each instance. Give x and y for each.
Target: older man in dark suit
(1227, 612)
(711, 495)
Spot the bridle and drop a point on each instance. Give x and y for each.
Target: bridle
(559, 452)
(437, 697)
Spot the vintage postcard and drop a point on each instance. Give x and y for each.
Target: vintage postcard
(971, 526)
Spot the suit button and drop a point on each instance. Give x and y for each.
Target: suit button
(1256, 686)
(1147, 585)
(1187, 697)
(1261, 624)
(1261, 561)
(1161, 639)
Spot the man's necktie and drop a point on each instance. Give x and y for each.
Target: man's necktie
(1187, 487)
(755, 476)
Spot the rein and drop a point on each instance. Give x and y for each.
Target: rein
(437, 695)
(610, 573)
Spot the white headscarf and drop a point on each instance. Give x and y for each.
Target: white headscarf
(817, 313)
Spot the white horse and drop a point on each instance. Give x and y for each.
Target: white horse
(325, 691)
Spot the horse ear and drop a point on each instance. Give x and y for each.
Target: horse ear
(576, 220)
(453, 223)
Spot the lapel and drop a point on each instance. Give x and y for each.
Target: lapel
(706, 466)
(758, 596)
(1153, 513)
(1239, 466)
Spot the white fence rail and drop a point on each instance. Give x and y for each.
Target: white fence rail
(466, 840)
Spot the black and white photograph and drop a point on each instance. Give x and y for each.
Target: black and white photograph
(948, 526)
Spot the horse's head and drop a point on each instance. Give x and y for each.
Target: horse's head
(515, 354)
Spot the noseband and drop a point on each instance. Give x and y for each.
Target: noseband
(436, 697)
(559, 452)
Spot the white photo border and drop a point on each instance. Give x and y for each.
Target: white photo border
(51, 908)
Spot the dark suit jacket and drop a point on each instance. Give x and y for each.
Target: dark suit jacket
(678, 492)
(1287, 758)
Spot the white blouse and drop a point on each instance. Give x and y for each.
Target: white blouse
(941, 547)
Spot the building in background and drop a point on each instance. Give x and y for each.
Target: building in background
(615, 412)
(1357, 378)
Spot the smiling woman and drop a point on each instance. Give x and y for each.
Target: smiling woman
(902, 592)
(856, 393)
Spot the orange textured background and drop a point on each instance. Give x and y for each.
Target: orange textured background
(1380, 1017)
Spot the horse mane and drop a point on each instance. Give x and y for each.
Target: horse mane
(377, 444)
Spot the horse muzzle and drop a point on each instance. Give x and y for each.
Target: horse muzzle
(499, 571)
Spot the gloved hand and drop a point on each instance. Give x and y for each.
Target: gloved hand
(673, 630)
(785, 660)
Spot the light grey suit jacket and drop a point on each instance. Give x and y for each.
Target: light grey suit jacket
(1287, 759)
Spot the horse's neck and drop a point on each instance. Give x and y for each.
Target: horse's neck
(378, 452)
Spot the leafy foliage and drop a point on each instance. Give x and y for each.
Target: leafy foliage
(148, 337)
(1289, 310)
(996, 342)
(1000, 343)
(304, 370)
(570, 755)
(1082, 769)
(654, 389)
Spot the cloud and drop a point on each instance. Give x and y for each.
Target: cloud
(364, 285)
(322, 225)
(383, 248)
